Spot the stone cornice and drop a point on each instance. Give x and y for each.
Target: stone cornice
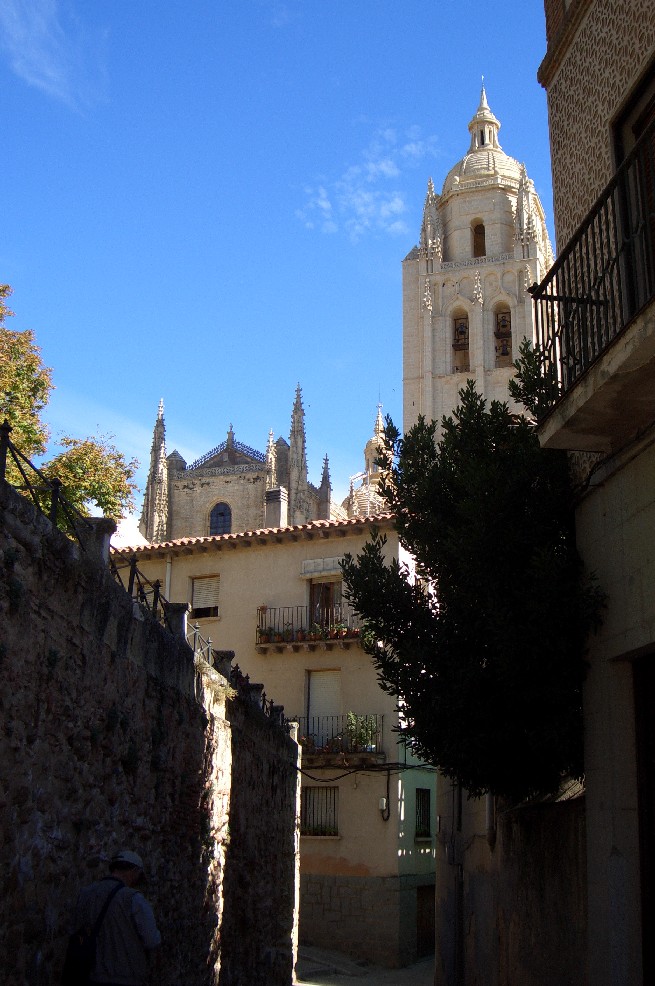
(201, 473)
(501, 258)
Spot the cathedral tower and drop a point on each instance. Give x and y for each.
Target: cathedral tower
(483, 241)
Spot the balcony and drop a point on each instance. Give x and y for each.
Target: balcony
(297, 628)
(351, 739)
(595, 317)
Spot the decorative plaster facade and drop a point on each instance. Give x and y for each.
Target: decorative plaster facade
(588, 82)
(465, 305)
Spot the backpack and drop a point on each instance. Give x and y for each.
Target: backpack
(81, 949)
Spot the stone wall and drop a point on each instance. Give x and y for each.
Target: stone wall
(370, 918)
(112, 738)
(511, 908)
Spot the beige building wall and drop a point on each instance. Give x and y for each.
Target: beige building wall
(368, 890)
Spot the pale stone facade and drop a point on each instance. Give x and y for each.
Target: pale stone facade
(466, 307)
(367, 879)
(236, 488)
(233, 487)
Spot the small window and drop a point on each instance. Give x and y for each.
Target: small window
(220, 519)
(423, 827)
(479, 241)
(319, 813)
(204, 597)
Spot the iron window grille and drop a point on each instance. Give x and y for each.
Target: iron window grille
(319, 811)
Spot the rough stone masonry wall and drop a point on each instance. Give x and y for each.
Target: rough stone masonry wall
(110, 738)
(519, 916)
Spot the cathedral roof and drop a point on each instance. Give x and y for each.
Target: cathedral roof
(485, 160)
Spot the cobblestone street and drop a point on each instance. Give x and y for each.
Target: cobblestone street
(319, 967)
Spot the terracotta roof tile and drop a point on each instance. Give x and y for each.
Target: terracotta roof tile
(313, 525)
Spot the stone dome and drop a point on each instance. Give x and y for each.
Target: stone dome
(485, 159)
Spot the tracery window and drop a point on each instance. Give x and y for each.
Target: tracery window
(460, 343)
(503, 337)
(220, 519)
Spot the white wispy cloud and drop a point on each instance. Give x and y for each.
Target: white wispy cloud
(367, 196)
(48, 48)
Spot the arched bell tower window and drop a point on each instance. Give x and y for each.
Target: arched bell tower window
(220, 519)
(479, 244)
(503, 337)
(461, 362)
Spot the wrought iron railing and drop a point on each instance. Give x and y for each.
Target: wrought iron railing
(298, 624)
(603, 278)
(46, 493)
(256, 695)
(146, 593)
(349, 733)
(252, 453)
(201, 647)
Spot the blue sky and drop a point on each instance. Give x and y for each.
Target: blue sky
(209, 201)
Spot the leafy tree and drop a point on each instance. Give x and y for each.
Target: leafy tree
(535, 385)
(485, 648)
(90, 469)
(25, 384)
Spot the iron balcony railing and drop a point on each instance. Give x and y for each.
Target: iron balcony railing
(147, 594)
(349, 733)
(295, 624)
(603, 278)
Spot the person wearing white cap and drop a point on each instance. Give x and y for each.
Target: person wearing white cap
(127, 938)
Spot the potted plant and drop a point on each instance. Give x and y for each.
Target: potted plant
(300, 634)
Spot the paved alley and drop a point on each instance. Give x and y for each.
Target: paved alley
(319, 967)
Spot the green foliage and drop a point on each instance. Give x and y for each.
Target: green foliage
(25, 384)
(485, 648)
(535, 385)
(91, 470)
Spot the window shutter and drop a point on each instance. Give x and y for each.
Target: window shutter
(205, 591)
(324, 693)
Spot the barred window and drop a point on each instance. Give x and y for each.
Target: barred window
(319, 814)
(423, 828)
(204, 596)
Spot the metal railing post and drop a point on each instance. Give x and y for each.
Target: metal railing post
(5, 431)
(155, 596)
(54, 499)
(130, 583)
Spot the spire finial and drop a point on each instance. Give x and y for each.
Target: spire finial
(160, 409)
(484, 105)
